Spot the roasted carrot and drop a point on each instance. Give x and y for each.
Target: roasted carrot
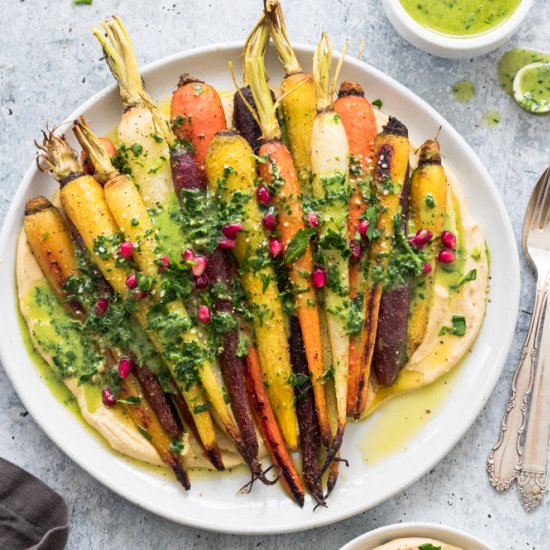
(310, 440)
(269, 427)
(390, 348)
(390, 164)
(197, 115)
(331, 190)
(142, 153)
(428, 203)
(57, 257)
(141, 413)
(298, 103)
(231, 172)
(277, 172)
(358, 119)
(158, 400)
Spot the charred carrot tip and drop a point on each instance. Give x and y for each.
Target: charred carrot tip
(180, 473)
(395, 127)
(36, 204)
(216, 458)
(186, 78)
(351, 88)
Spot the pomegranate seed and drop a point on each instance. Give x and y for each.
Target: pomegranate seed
(187, 254)
(312, 219)
(446, 256)
(363, 227)
(138, 295)
(101, 306)
(125, 366)
(448, 240)
(263, 195)
(421, 238)
(275, 247)
(426, 268)
(165, 263)
(126, 248)
(355, 247)
(108, 397)
(319, 278)
(269, 221)
(226, 244)
(203, 314)
(231, 229)
(199, 267)
(202, 281)
(131, 281)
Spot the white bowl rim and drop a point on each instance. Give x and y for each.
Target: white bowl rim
(499, 359)
(399, 530)
(461, 44)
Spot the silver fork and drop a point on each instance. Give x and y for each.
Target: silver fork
(506, 458)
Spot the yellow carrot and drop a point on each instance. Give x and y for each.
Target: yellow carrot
(231, 173)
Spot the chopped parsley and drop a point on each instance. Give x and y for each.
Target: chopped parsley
(131, 400)
(144, 433)
(201, 407)
(377, 103)
(458, 328)
(430, 201)
(429, 546)
(298, 244)
(297, 379)
(470, 276)
(177, 445)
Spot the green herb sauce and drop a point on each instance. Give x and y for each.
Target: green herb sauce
(460, 18)
(491, 119)
(464, 91)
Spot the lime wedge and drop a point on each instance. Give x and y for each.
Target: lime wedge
(532, 87)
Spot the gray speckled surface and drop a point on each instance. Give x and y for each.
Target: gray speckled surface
(49, 64)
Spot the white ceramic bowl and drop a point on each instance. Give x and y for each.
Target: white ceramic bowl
(446, 46)
(449, 535)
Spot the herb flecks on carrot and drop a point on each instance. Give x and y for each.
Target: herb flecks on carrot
(360, 124)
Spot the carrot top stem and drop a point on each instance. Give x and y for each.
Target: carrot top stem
(277, 29)
(121, 58)
(104, 169)
(57, 158)
(322, 60)
(255, 73)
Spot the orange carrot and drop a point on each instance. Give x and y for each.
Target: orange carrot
(360, 125)
(197, 114)
(290, 223)
(277, 171)
(265, 418)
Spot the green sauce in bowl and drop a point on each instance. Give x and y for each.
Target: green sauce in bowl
(460, 18)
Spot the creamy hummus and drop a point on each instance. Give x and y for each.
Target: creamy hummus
(435, 356)
(415, 543)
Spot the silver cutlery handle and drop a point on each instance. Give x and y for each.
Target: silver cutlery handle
(532, 477)
(505, 458)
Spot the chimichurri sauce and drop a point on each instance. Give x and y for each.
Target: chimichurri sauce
(460, 18)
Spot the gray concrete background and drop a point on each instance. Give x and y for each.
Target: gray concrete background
(49, 64)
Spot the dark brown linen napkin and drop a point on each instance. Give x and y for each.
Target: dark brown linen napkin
(32, 516)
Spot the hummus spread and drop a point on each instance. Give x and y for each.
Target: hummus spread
(416, 543)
